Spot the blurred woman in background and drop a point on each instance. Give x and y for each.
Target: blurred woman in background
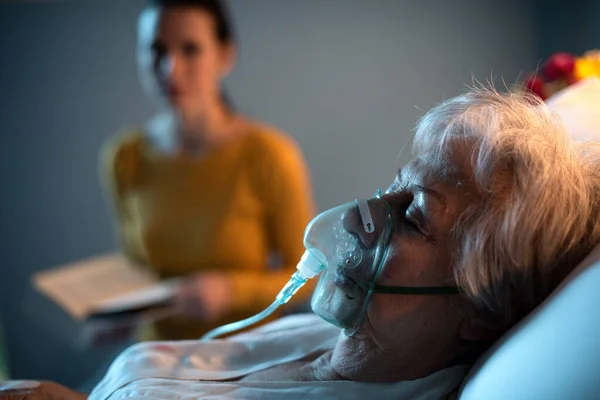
(203, 192)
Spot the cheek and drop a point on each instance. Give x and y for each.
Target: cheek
(407, 264)
(390, 315)
(204, 72)
(412, 261)
(388, 308)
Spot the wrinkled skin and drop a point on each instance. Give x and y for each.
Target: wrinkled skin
(37, 390)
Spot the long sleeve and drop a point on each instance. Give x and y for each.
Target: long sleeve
(118, 168)
(283, 180)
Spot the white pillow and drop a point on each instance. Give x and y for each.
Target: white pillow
(554, 353)
(579, 108)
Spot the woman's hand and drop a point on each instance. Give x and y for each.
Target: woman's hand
(37, 390)
(207, 296)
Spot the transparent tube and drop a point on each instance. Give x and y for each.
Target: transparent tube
(296, 282)
(238, 325)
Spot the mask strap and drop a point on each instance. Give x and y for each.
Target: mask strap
(417, 290)
(365, 215)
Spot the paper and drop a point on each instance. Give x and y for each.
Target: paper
(103, 285)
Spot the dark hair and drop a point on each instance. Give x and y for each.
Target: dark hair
(216, 8)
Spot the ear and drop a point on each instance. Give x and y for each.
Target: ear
(228, 59)
(475, 330)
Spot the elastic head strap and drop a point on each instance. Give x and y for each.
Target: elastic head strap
(426, 290)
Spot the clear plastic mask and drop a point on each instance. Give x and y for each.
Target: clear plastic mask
(350, 241)
(348, 245)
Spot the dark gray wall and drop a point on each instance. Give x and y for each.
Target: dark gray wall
(573, 27)
(347, 78)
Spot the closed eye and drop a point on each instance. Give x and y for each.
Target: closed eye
(417, 227)
(411, 223)
(404, 219)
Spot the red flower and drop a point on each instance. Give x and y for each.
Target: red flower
(535, 84)
(559, 65)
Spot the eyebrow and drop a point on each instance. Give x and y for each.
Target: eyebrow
(431, 192)
(420, 188)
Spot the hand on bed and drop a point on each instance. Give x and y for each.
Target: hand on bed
(206, 296)
(37, 390)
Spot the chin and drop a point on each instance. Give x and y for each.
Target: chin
(352, 345)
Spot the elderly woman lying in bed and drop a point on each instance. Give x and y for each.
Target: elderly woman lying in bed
(497, 207)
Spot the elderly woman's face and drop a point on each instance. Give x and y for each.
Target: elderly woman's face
(426, 199)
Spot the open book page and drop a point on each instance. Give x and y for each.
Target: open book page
(102, 285)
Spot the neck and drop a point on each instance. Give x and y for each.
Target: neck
(360, 359)
(198, 133)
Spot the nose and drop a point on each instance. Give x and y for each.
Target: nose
(354, 223)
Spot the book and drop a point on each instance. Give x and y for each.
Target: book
(106, 287)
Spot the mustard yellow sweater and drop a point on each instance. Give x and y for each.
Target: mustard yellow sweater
(227, 211)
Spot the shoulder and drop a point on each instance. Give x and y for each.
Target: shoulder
(125, 143)
(120, 155)
(273, 146)
(270, 138)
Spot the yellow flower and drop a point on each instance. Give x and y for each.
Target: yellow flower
(588, 65)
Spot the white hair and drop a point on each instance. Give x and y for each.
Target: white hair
(539, 214)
